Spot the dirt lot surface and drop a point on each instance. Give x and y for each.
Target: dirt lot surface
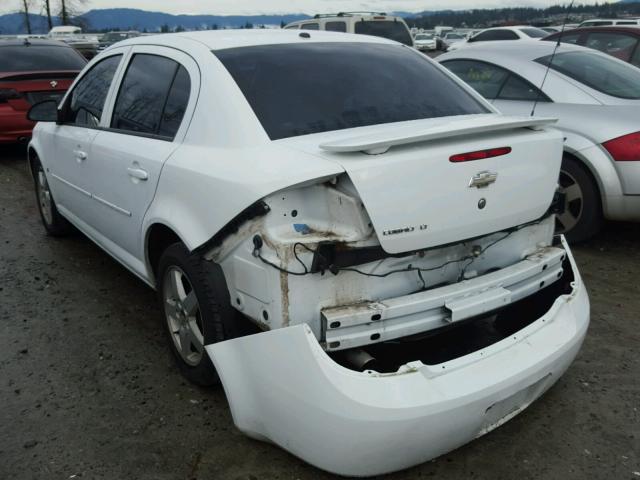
(88, 389)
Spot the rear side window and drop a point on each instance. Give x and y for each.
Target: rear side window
(391, 29)
(176, 104)
(534, 32)
(602, 73)
(492, 35)
(566, 37)
(88, 96)
(335, 26)
(147, 102)
(36, 58)
(484, 78)
(493, 82)
(292, 88)
(635, 60)
(617, 44)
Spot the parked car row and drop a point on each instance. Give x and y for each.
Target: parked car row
(344, 232)
(390, 244)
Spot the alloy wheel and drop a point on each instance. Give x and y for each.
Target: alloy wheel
(44, 197)
(182, 313)
(574, 203)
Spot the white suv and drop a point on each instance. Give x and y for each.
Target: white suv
(366, 23)
(387, 234)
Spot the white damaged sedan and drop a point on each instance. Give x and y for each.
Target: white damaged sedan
(349, 238)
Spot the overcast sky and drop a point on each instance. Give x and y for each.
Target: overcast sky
(251, 7)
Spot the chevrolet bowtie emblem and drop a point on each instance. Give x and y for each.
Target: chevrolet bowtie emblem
(53, 84)
(483, 179)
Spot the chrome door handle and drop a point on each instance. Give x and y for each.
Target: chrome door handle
(80, 155)
(138, 173)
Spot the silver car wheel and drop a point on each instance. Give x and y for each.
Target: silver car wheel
(574, 203)
(44, 197)
(183, 317)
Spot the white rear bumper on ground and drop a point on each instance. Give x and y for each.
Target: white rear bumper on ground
(282, 387)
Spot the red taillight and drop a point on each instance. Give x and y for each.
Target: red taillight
(480, 154)
(625, 148)
(8, 94)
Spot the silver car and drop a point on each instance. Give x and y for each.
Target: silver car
(595, 98)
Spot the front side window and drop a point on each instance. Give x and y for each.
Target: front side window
(390, 29)
(147, 101)
(617, 44)
(292, 88)
(335, 27)
(602, 73)
(310, 26)
(86, 101)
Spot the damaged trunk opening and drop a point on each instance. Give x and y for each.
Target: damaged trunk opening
(459, 339)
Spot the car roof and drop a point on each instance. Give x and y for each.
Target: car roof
(633, 30)
(223, 39)
(27, 42)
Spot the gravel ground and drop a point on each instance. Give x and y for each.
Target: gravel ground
(89, 390)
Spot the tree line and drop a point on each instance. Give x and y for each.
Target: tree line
(66, 10)
(478, 18)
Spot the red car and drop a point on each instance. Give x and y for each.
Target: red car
(32, 71)
(619, 42)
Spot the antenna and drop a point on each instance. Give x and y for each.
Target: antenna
(555, 49)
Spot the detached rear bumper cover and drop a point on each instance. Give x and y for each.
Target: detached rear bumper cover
(282, 387)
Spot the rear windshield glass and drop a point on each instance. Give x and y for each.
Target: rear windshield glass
(318, 87)
(39, 58)
(391, 29)
(599, 72)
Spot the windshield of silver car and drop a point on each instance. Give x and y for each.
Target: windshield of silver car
(600, 72)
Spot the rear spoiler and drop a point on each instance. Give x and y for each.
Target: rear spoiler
(424, 131)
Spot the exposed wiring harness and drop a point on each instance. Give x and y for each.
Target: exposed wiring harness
(257, 243)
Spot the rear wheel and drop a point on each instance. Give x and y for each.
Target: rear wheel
(196, 310)
(54, 223)
(582, 217)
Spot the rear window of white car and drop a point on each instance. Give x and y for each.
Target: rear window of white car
(600, 72)
(391, 29)
(40, 58)
(318, 87)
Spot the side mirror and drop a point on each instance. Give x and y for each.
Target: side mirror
(46, 111)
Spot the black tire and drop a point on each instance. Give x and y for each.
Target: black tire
(583, 214)
(214, 319)
(54, 223)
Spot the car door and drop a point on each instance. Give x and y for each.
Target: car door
(144, 125)
(81, 114)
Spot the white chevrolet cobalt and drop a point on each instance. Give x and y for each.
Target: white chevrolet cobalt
(387, 234)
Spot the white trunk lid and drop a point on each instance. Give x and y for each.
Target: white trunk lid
(417, 198)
